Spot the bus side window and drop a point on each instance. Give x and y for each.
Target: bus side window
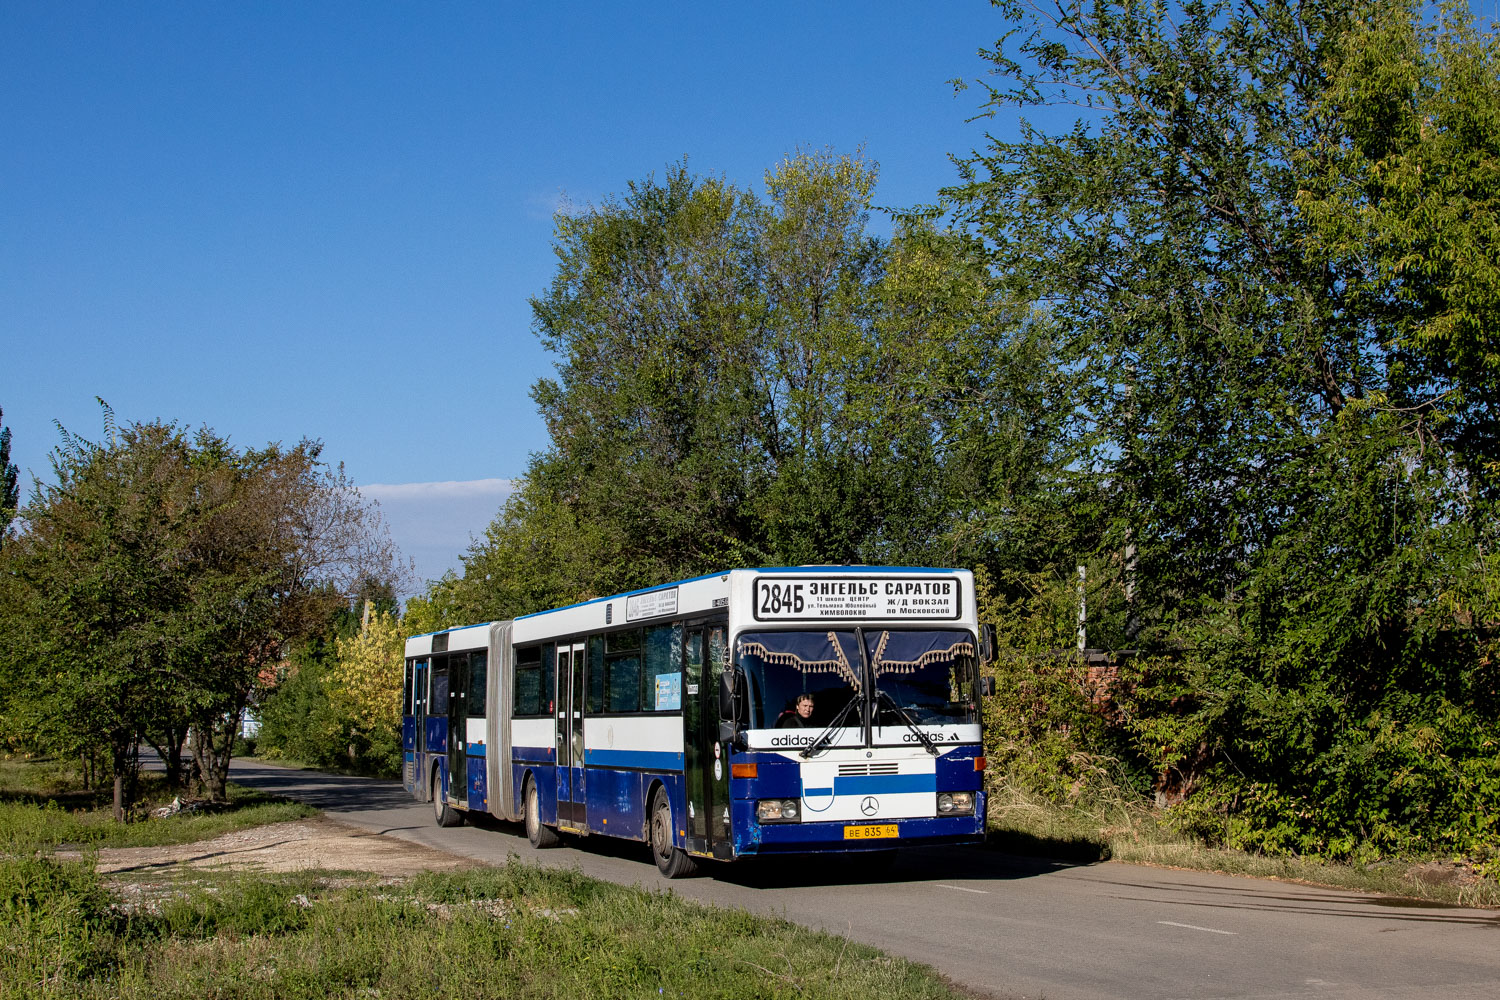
(478, 662)
(420, 670)
(596, 674)
(622, 664)
(528, 681)
(662, 678)
(437, 702)
(406, 706)
(549, 673)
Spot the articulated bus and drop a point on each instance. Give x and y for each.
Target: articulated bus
(752, 712)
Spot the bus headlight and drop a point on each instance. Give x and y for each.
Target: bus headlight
(955, 803)
(776, 810)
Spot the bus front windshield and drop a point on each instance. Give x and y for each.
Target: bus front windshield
(920, 676)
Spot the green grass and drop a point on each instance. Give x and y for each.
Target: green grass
(42, 806)
(1114, 827)
(514, 931)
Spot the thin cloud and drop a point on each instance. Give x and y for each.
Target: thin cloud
(434, 523)
(466, 489)
(549, 206)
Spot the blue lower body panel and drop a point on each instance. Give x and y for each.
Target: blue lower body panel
(752, 837)
(616, 801)
(478, 795)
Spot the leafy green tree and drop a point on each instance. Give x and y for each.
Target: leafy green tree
(747, 380)
(10, 483)
(1262, 253)
(98, 562)
(292, 541)
(160, 577)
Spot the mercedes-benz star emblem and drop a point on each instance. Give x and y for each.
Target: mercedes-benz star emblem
(870, 805)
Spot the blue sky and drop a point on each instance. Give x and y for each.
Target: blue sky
(325, 219)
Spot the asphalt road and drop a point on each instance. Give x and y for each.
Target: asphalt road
(1021, 927)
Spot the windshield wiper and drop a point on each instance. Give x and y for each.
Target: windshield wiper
(827, 733)
(911, 724)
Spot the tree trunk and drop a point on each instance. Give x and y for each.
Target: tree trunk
(213, 746)
(121, 759)
(125, 758)
(168, 746)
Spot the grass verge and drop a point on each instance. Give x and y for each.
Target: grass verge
(42, 807)
(1022, 823)
(514, 931)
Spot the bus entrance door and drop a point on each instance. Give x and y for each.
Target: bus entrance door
(458, 729)
(572, 807)
(419, 727)
(697, 747)
(706, 761)
(716, 803)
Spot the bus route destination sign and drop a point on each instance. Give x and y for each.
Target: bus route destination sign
(821, 598)
(651, 605)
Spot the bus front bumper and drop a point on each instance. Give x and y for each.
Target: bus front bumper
(803, 838)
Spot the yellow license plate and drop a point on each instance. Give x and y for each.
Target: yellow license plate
(875, 832)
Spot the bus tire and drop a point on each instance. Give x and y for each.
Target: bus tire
(671, 861)
(540, 835)
(442, 812)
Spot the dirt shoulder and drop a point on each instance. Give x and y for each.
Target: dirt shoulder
(318, 842)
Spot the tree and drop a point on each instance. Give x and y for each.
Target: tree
(1262, 251)
(161, 575)
(95, 571)
(366, 688)
(292, 539)
(10, 484)
(746, 380)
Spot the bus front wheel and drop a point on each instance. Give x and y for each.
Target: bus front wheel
(540, 836)
(671, 861)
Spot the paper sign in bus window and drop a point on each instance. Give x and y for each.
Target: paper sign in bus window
(668, 692)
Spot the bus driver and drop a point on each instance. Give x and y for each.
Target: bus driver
(799, 718)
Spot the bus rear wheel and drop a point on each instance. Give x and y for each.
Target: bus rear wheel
(540, 836)
(671, 861)
(442, 812)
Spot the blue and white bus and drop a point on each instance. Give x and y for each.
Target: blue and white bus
(752, 712)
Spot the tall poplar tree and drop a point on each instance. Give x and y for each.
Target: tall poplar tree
(10, 482)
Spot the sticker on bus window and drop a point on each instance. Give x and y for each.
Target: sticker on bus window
(668, 692)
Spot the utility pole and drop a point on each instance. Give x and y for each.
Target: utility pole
(1083, 612)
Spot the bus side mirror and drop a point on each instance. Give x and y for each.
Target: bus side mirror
(727, 691)
(986, 643)
(986, 687)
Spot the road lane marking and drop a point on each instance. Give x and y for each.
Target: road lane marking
(1195, 927)
(982, 892)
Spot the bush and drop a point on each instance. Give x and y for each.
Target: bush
(55, 919)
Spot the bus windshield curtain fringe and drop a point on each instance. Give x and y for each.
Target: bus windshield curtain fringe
(838, 665)
(962, 647)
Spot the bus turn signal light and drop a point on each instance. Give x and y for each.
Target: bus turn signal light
(979, 763)
(744, 770)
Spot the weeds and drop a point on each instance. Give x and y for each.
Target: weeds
(1108, 823)
(514, 931)
(41, 808)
